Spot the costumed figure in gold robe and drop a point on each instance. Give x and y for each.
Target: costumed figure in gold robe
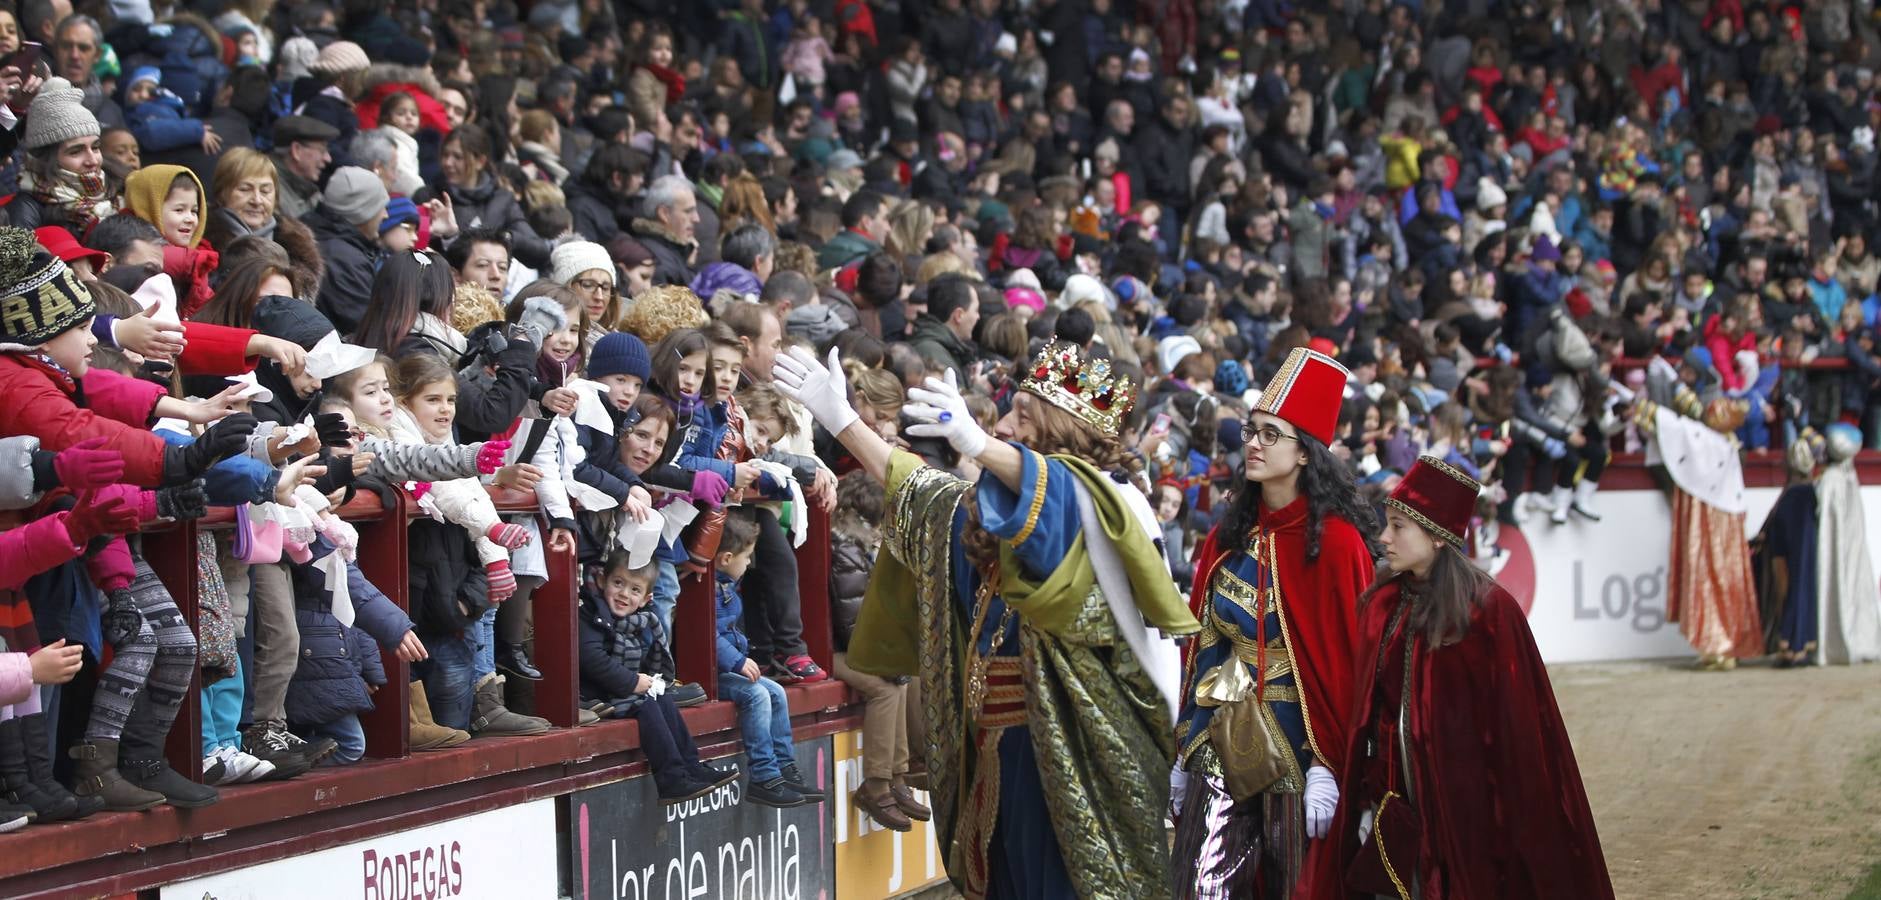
(1038, 613)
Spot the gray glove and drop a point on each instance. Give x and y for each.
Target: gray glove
(541, 317)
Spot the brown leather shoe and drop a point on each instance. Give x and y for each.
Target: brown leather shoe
(876, 799)
(904, 798)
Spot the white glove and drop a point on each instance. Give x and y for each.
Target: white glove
(822, 390)
(944, 415)
(1321, 801)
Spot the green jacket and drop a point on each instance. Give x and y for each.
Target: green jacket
(941, 347)
(846, 247)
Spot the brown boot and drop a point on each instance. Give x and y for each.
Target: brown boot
(96, 775)
(427, 734)
(875, 799)
(492, 719)
(904, 798)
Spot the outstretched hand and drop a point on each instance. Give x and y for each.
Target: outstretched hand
(943, 413)
(821, 389)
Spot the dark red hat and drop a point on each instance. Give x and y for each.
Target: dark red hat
(1307, 393)
(1437, 496)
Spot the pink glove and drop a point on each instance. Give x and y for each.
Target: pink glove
(419, 489)
(709, 487)
(87, 465)
(502, 582)
(490, 456)
(111, 568)
(507, 536)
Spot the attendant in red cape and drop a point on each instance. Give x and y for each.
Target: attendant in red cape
(1460, 781)
(1265, 712)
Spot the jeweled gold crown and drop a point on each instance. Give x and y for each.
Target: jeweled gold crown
(1085, 388)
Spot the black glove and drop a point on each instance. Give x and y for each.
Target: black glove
(120, 620)
(223, 440)
(339, 474)
(185, 501)
(333, 430)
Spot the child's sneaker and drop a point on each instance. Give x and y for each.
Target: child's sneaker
(684, 788)
(794, 777)
(777, 793)
(686, 693)
(251, 768)
(802, 669)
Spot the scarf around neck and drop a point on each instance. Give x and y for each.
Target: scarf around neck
(85, 199)
(237, 227)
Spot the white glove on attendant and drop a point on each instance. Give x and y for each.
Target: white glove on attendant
(944, 415)
(1321, 801)
(822, 390)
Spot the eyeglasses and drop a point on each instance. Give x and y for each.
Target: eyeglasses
(1266, 435)
(591, 286)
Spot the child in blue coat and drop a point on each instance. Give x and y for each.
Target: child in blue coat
(763, 710)
(156, 119)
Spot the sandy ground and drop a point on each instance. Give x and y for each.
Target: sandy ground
(1759, 783)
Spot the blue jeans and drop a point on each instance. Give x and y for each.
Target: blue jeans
(483, 632)
(764, 720)
(222, 712)
(666, 597)
(449, 677)
(346, 732)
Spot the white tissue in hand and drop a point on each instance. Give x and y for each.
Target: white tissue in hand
(658, 687)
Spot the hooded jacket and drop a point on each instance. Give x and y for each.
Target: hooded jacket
(337, 661)
(489, 206)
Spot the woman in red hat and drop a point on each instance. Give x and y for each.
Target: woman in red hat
(1460, 781)
(1264, 713)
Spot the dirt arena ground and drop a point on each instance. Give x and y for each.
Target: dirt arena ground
(1759, 783)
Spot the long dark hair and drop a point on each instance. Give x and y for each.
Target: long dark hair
(408, 284)
(1444, 599)
(238, 291)
(1329, 490)
(679, 344)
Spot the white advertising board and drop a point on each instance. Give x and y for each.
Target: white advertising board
(504, 853)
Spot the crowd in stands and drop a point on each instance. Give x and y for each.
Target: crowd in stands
(557, 246)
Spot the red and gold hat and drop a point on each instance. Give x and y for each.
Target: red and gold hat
(1438, 496)
(1307, 392)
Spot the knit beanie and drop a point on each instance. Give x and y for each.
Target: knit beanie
(297, 58)
(355, 195)
(144, 73)
(146, 189)
(399, 211)
(58, 114)
(569, 260)
(619, 353)
(339, 58)
(39, 297)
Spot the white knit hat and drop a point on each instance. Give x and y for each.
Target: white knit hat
(340, 57)
(1082, 287)
(569, 260)
(1489, 195)
(58, 114)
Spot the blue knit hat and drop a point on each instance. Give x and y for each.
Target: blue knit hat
(619, 353)
(399, 211)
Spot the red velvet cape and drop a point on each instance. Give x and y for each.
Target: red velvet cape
(1320, 600)
(1494, 779)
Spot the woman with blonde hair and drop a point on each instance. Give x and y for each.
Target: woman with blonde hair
(242, 192)
(910, 224)
(945, 262)
(659, 311)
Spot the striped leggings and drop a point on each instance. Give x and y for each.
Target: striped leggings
(158, 660)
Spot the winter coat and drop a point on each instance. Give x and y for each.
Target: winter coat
(308, 267)
(49, 404)
(701, 436)
(595, 218)
(852, 558)
(671, 263)
(733, 646)
(490, 206)
(941, 347)
(488, 402)
(616, 650)
(352, 261)
(461, 501)
(726, 276)
(393, 461)
(845, 248)
(1163, 151)
(448, 589)
(159, 124)
(338, 661)
(298, 196)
